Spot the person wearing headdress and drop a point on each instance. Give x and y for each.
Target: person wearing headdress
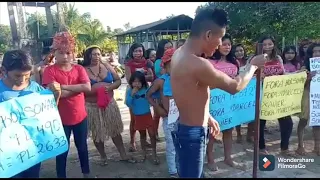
(74, 82)
(103, 112)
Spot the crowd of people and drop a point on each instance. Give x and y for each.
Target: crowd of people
(184, 72)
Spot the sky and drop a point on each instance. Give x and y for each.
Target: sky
(116, 14)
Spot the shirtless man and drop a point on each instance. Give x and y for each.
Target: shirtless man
(191, 77)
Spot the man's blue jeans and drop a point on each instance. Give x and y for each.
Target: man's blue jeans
(190, 143)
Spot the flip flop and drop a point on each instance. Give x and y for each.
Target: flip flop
(132, 149)
(174, 176)
(156, 161)
(129, 160)
(103, 162)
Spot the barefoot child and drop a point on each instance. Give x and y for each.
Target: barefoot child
(162, 85)
(312, 52)
(137, 101)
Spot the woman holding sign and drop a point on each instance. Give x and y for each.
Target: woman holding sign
(273, 67)
(312, 52)
(240, 54)
(16, 68)
(224, 61)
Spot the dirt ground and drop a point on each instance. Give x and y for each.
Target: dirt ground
(241, 153)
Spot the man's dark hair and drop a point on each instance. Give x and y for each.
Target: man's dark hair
(206, 18)
(17, 60)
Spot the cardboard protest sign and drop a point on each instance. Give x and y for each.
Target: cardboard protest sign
(173, 114)
(315, 93)
(282, 95)
(233, 110)
(30, 132)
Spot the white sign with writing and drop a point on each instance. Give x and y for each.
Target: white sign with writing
(173, 114)
(315, 93)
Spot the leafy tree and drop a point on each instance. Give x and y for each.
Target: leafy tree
(5, 38)
(127, 26)
(251, 20)
(37, 25)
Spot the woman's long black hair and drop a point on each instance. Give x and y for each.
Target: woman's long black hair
(294, 61)
(303, 43)
(132, 48)
(229, 58)
(275, 50)
(148, 51)
(310, 55)
(87, 56)
(160, 49)
(140, 76)
(234, 48)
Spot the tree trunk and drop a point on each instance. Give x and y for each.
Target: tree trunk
(61, 21)
(13, 26)
(49, 21)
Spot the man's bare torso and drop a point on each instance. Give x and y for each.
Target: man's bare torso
(190, 96)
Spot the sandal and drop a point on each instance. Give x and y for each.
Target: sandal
(132, 149)
(129, 160)
(156, 161)
(301, 152)
(174, 175)
(148, 145)
(288, 153)
(158, 139)
(103, 162)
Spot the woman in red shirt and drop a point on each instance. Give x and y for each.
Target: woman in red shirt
(74, 82)
(274, 67)
(136, 62)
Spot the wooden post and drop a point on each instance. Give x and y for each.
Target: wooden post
(283, 42)
(147, 34)
(22, 24)
(256, 125)
(13, 25)
(61, 20)
(49, 21)
(178, 28)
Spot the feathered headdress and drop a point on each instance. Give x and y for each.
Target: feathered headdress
(63, 41)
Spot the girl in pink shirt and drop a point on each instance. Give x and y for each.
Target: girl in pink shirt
(224, 61)
(290, 61)
(239, 52)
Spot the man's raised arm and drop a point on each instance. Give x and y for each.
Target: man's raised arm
(208, 75)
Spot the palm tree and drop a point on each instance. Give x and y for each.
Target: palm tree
(93, 34)
(36, 25)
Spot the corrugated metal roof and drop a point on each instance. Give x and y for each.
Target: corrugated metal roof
(156, 24)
